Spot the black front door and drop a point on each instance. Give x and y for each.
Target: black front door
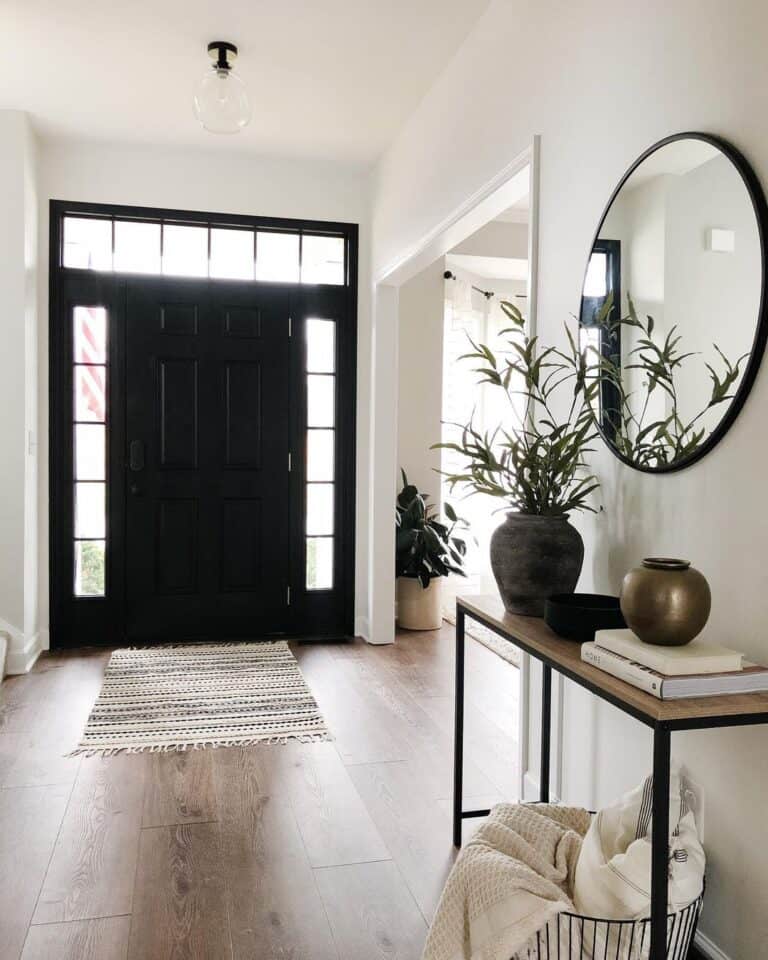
(207, 427)
(202, 428)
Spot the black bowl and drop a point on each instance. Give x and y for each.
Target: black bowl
(576, 616)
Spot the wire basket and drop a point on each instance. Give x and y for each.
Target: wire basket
(569, 936)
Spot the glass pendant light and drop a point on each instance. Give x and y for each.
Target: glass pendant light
(221, 102)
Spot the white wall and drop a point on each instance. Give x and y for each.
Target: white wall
(712, 297)
(18, 389)
(420, 377)
(498, 238)
(637, 220)
(600, 85)
(219, 182)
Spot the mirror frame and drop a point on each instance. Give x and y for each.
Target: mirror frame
(760, 208)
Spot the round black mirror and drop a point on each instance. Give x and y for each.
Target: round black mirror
(673, 313)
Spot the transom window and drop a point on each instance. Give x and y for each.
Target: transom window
(218, 252)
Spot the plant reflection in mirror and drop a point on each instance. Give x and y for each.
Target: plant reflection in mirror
(536, 461)
(659, 360)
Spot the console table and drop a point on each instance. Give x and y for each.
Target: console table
(535, 638)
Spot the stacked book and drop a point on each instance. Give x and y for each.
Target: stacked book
(698, 669)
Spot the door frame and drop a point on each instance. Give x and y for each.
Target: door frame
(72, 619)
(489, 200)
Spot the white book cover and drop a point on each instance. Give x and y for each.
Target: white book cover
(751, 679)
(695, 657)
(621, 668)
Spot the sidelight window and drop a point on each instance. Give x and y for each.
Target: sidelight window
(89, 427)
(321, 453)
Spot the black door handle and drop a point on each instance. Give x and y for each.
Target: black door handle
(136, 455)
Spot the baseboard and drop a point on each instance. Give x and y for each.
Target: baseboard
(15, 636)
(706, 949)
(22, 658)
(362, 629)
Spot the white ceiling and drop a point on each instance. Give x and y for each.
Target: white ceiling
(519, 212)
(675, 159)
(493, 268)
(329, 79)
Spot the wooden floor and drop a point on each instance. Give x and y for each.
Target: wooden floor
(321, 851)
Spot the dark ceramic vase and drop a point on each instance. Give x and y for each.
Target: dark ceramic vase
(533, 558)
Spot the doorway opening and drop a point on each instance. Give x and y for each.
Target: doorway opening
(202, 425)
(446, 288)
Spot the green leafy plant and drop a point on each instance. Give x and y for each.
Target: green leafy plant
(660, 360)
(425, 547)
(535, 462)
(91, 568)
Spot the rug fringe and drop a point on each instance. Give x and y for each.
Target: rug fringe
(199, 745)
(218, 644)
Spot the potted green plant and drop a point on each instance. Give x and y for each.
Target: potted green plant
(535, 463)
(426, 550)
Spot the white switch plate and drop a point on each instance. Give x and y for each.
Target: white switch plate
(721, 241)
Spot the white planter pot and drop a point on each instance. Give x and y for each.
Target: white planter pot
(419, 608)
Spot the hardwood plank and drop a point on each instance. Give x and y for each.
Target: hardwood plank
(105, 939)
(422, 661)
(21, 699)
(274, 906)
(40, 759)
(335, 826)
(416, 828)
(485, 745)
(179, 788)
(422, 739)
(92, 868)
(275, 909)
(360, 726)
(251, 801)
(371, 912)
(30, 818)
(53, 702)
(180, 906)
(493, 687)
(10, 744)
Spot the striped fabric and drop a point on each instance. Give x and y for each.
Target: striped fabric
(200, 695)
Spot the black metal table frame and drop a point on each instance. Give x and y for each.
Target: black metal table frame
(662, 730)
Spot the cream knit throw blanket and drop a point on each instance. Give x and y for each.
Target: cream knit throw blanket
(510, 879)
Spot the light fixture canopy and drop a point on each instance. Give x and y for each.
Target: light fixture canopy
(221, 101)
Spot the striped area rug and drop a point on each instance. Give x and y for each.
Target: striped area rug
(201, 695)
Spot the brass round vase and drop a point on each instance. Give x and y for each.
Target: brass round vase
(665, 601)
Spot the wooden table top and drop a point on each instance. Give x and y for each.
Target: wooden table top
(534, 636)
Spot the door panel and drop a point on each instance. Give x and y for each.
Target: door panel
(177, 405)
(208, 398)
(243, 413)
